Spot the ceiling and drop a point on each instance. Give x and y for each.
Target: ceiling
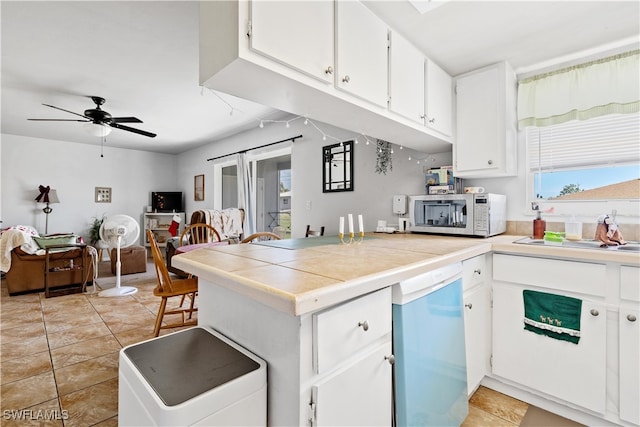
(142, 57)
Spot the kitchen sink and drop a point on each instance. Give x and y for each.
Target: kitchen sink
(582, 244)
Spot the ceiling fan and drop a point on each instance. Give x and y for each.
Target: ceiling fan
(100, 117)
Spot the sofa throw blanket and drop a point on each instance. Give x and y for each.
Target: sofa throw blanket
(13, 237)
(228, 222)
(555, 316)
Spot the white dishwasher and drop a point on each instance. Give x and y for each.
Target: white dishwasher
(430, 371)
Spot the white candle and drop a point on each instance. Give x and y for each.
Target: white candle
(360, 224)
(341, 229)
(350, 224)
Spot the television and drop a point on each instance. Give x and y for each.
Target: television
(166, 201)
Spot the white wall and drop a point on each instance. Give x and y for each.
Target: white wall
(74, 170)
(372, 193)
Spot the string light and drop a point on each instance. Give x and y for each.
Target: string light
(325, 136)
(306, 122)
(231, 109)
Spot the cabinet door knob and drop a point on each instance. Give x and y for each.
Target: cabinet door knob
(594, 312)
(423, 116)
(631, 318)
(433, 120)
(469, 306)
(490, 162)
(346, 79)
(478, 271)
(391, 359)
(364, 325)
(329, 70)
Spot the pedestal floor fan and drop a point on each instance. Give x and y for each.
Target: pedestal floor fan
(119, 231)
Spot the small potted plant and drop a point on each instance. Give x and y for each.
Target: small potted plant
(94, 230)
(94, 236)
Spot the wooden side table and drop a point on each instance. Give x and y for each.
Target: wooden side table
(70, 268)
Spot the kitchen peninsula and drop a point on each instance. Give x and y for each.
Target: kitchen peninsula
(276, 300)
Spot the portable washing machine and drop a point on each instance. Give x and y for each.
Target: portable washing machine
(193, 377)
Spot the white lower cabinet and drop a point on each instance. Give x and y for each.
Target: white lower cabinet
(477, 319)
(629, 344)
(353, 357)
(630, 365)
(575, 373)
(477, 311)
(340, 399)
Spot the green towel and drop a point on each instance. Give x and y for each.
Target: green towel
(555, 316)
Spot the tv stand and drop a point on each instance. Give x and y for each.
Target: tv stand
(159, 224)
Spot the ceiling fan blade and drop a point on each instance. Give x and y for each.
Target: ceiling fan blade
(59, 120)
(125, 120)
(138, 131)
(66, 111)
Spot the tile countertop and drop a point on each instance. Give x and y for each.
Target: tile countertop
(301, 281)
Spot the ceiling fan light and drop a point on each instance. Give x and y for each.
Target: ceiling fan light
(97, 129)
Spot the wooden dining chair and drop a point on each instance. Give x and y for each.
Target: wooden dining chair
(169, 288)
(199, 233)
(262, 235)
(314, 233)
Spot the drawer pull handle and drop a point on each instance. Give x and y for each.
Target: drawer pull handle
(329, 70)
(346, 79)
(631, 318)
(391, 359)
(469, 306)
(594, 312)
(364, 325)
(478, 271)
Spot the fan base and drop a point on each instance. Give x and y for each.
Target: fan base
(118, 291)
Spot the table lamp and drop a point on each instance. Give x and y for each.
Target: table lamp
(48, 196)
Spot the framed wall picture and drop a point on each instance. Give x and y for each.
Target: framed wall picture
(198, 188)
(337, 167)
(103, 194)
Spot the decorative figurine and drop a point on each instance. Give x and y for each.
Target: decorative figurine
(607, 231)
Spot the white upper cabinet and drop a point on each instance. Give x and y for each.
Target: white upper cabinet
(298, 34)
(406, 79)
(361, 52)
(438, 98)
(326, 60)
(418, 88)
(485, 123)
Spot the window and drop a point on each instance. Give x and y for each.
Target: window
(586, 168)
(269, 171)
(582, 134)
(597, 159)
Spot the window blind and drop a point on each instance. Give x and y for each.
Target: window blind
(602, 141)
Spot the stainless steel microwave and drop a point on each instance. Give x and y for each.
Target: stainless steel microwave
(481, 214)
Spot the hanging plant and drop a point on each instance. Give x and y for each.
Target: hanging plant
(383, 157)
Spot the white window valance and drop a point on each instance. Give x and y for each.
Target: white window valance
(606, 86)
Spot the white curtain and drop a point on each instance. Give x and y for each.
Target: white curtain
(245, 194)
(606, 86)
